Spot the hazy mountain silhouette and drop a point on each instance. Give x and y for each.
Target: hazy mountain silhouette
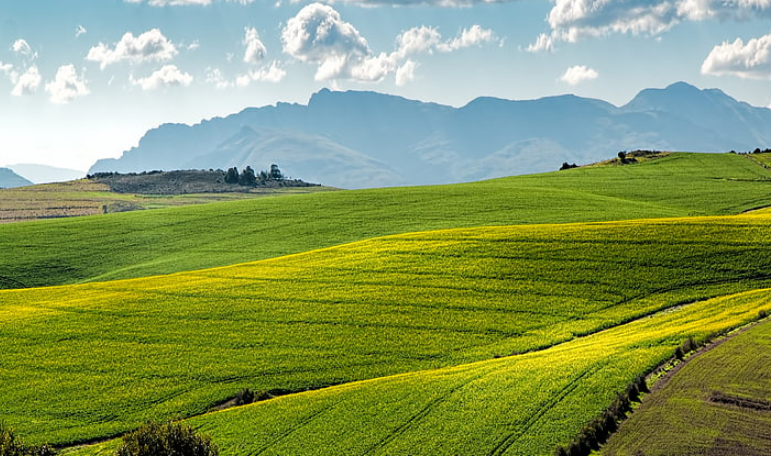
(42, 174)
(9, 179)
(366, 139)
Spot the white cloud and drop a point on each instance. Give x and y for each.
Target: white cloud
(272, 73)
(168, 76)
(80, 31)
(572, 20)
(21, 46)
(66, 86)
(470, 37)
(26, 83)
(318, 35)
(6, 68)
(698, 10)
(406, 72)
(185, 2)
(750, 61)
(149, 46)
(577, 74)
(418, 40)
(214, 76)
(544, 42)
(318, 32)
(255, 49)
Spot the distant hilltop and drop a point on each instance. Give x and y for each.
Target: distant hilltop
(367, 139)
(196, 181)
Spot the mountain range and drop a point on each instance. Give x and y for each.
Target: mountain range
(9, 179)
(365, 139)
(43, 174)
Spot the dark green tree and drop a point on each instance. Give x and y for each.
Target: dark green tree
(275, 173)
(231, 177)
(248, 179)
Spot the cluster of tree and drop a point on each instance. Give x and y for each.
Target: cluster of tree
(10, 446)
(105, 174)
(597, 432)
(566, 165)
(622, 157)
(625, 157)
(757, 150)
(249, 178)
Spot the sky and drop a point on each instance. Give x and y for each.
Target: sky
(85, 79)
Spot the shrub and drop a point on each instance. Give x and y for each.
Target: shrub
(245, 396)
(9, 446)
(166, 439)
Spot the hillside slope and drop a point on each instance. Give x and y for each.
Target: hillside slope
(164, 241)
(122, 352)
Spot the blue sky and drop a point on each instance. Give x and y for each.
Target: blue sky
(84, 79)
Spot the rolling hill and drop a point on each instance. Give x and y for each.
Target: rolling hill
(122, 352)
(139, 244)
(366, 139)
(497, 317)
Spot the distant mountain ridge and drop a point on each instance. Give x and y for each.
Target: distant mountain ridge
(43, 174)
(9, 179)
(367, 139)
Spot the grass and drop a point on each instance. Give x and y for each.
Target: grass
(718, 404)
(525, 404)
(87, 197)
(139, 244)
(87, 361)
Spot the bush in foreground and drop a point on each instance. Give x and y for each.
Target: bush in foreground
(9, 446)
(166, 439)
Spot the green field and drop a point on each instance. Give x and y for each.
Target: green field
(718, 404)
(506, 316)
(520, 405)
(123, 352)
(139, 244)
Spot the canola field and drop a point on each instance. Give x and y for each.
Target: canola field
(524, 404)
(87, 361)
(491, 318)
